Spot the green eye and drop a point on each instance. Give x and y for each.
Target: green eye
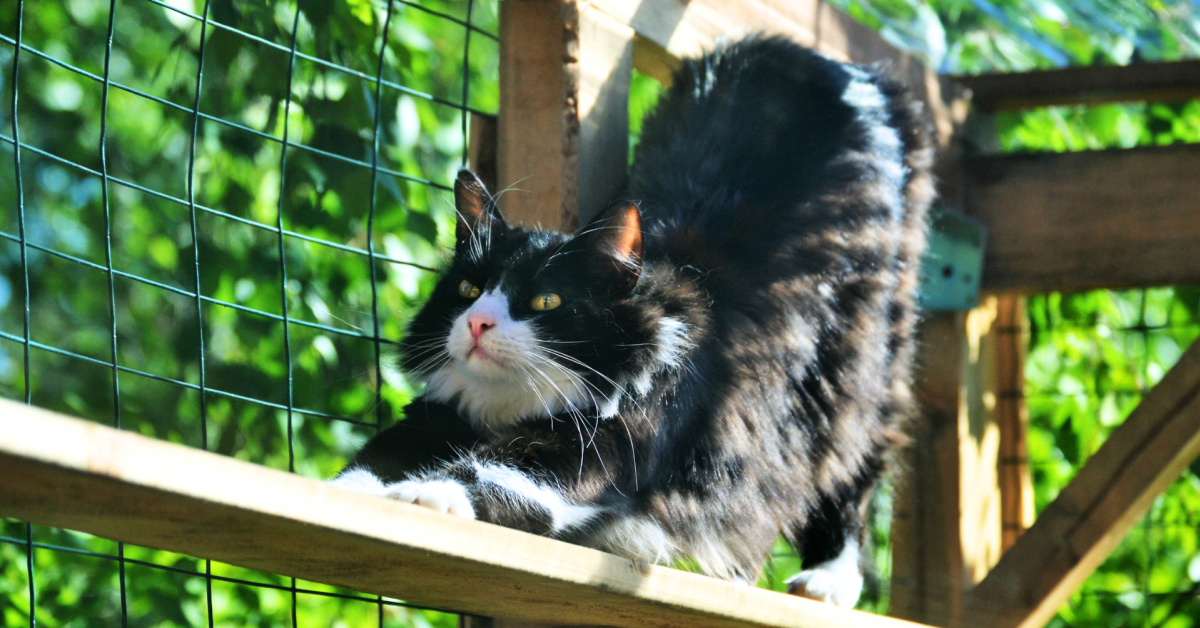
(468, 290)
(545, 301)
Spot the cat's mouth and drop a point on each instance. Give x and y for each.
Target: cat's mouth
(481, 358)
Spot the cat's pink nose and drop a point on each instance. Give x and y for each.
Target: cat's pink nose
(479, 323)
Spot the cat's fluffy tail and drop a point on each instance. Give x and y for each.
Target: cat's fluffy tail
(763, 142)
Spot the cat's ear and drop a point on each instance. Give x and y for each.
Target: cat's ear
(616, 236)
(477, 210)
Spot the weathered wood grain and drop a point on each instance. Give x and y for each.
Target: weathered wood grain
(68, 473)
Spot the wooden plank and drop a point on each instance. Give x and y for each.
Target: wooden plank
(73, 474)
(1091, 515)
(1012, 417)
(686, 28)
(1093, 85)
(564, 93)
(1096, 219)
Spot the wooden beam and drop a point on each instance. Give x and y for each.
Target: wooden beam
(927, 560)
(1094, 85)
(1107, 497)
(1096, 219)
(74, 474)
(564, 96)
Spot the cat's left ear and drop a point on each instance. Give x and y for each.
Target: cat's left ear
(616, 237)
(477, 210)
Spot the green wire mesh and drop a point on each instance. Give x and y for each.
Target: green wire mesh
(216, 216)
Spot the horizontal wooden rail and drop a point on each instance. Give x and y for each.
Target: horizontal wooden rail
(68, 473)
(1174, 80)
(1093, 219)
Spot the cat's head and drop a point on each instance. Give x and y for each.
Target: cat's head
(528, 323)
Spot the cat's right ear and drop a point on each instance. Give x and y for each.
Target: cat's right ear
(477, 210)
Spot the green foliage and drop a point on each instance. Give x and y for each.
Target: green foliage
(643, 96)
(1092, 357)
(328, 191)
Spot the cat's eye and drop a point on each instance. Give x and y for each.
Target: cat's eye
(545, 301)
(468, 290)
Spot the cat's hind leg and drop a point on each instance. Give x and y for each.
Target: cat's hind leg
(830, 543)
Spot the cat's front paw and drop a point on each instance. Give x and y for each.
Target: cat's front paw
(840, 587)
(445, 496)
(360, 481)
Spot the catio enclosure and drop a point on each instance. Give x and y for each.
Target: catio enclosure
(216, 215)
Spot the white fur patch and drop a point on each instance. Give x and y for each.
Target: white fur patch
(637, 538)
(862, 94)
(360, 481)
(670, 345)
(838, 581)
(672, 341)
(445, 496)
(564, 515)
(510, 378)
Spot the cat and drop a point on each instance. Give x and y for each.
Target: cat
(721, 358)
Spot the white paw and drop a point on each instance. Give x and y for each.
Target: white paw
(840, 587)
(445, 496)
(360, 481)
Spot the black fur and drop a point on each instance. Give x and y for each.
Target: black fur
(782, 211)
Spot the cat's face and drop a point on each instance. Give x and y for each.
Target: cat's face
(531, 323)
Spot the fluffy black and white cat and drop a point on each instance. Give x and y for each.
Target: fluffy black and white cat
(721, 359)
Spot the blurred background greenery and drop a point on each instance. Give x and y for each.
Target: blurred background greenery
(305, 395)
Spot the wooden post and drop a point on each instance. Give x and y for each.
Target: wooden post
(564, 123)
(926, 553)
(947, 527)
(1012, 416)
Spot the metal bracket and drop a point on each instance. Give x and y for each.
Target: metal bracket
(953, 262)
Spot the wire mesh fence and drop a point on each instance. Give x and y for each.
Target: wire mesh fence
(1093, 356)
(217, 215)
